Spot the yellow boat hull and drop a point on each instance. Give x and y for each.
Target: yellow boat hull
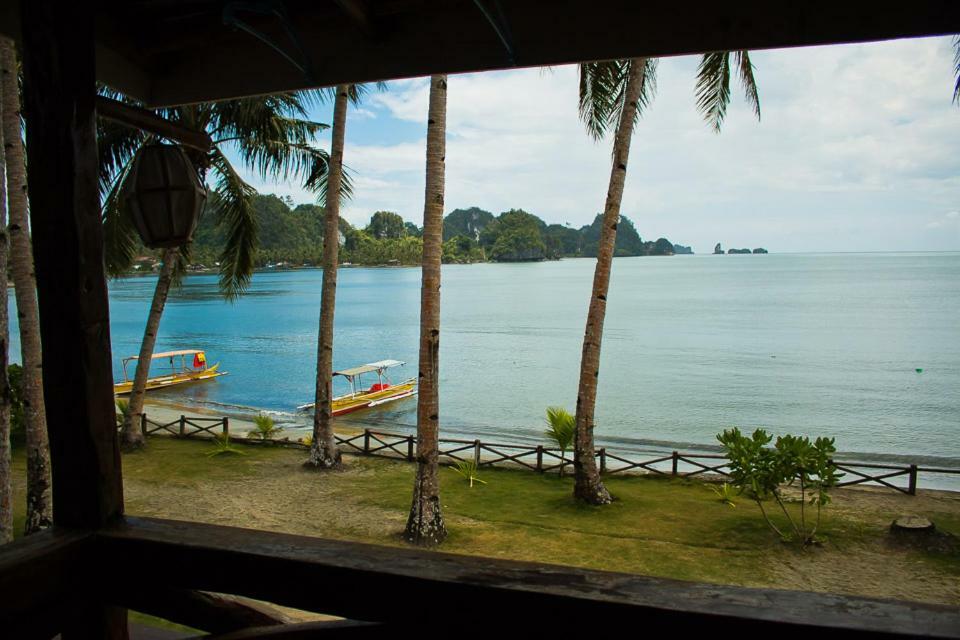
(162, 382)
(364, 400)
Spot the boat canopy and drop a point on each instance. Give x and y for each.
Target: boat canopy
(170, 354)
(368, 368)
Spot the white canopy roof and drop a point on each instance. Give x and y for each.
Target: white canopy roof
(367, 368)
(170, 354)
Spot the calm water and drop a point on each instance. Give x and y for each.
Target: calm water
(812, 344)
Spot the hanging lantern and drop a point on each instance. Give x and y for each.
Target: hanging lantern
(165, 195)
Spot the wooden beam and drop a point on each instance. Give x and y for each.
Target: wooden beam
(210, 612)
(59, 91)
(391, 585)
(420, 39)
(358, 11)
(313, 630)
(150, 122)
(38, 577)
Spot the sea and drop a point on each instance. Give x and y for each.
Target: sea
(862, 347)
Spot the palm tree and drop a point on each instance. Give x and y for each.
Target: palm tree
(6, 489)
(425, 525)
(324, 452)
(39, 505)
(617, 91)
(271, 136)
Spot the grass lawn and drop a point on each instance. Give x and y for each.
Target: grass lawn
(657, 526)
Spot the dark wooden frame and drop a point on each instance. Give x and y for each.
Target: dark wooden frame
(77, 577)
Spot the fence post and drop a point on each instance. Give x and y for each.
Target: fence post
(410, 448)
(476, 453)
(183, 426)
(912, 488)
(143, 424)
(603, 459)
(676, 457)
(366, 441)
(226, 428)
(540, 458)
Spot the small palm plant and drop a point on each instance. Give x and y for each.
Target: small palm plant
(123, 406)
(726, 493)
(266, 429)
(561, 426)
(223, 446)
(468, 469)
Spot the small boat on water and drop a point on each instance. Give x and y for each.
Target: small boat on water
(181, 370)
(379, 393)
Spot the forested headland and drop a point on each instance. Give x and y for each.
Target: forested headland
(292, 236)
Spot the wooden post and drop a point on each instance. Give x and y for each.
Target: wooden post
(676, 459)
(183, 426)
(226, 428)
(540, 458)
(366, 441)
(912, 487)
(410, 448)
(476, 453)
(58, 96)
(143, 424)
(603, 459)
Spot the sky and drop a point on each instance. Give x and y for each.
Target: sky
(856, 150)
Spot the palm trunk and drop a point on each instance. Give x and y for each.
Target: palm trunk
(425, 525)
(132, 437)
(6, 490)
(588, 486)
(39, 505)
(324, 453)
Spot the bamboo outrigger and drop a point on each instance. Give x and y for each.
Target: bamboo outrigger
(377, 394)
(180, 373)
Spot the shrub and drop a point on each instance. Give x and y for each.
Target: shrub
(759, 472)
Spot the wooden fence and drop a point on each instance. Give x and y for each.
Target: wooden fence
(544, 459)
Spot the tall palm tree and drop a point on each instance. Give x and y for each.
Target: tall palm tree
(618, 91)
(6, 489)
(272, 137)
(324, 452)
(39, 499)
(425, 525)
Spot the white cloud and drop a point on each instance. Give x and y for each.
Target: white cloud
(856, 150)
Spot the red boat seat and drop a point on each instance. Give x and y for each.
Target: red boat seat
(379, 387)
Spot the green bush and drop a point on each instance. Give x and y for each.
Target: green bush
(759, 472)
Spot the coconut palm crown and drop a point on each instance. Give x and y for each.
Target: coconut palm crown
(270, 135)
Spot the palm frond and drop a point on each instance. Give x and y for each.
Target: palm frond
(120, 239)
(747, 80)
(713, 87)
(116, 146)
(234, 211)
(603, 90)
(599, 83)
(956, 64)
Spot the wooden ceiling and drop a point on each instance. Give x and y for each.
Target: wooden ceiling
(179, 51)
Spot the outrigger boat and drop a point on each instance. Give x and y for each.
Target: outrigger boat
(180, 372)
(377, 394)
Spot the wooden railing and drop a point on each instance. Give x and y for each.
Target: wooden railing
(545, 459)
(184, 426)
